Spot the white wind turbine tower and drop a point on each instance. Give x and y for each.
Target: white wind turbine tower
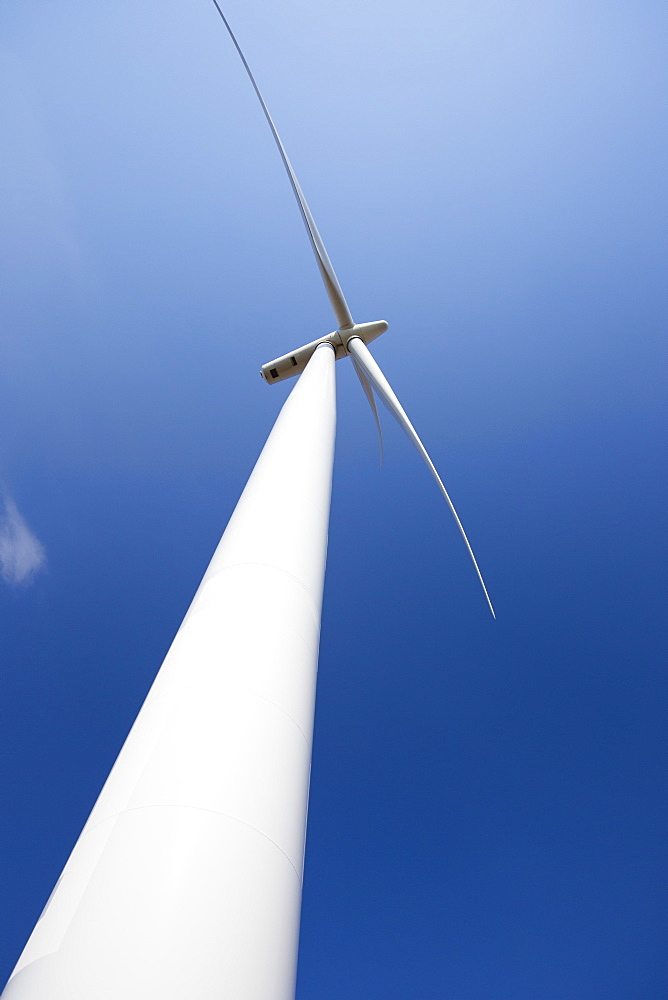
(186, 880)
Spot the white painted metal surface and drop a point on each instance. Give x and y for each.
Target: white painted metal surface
(186, 881)
(294, 363)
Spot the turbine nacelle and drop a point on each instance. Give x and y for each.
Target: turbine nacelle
(295, 363)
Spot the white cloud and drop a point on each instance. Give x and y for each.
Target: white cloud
(21, 553)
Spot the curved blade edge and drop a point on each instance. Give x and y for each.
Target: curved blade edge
(362, 355)
(332, 286)
(368, 392)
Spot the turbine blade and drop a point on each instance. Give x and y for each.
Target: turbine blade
(332, 287)
(368, 392)
(361, 354)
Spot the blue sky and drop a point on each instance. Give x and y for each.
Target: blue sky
(488, 799)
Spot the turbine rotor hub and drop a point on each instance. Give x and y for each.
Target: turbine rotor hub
(295, 363)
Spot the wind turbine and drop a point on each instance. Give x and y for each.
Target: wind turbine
(186, 879)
